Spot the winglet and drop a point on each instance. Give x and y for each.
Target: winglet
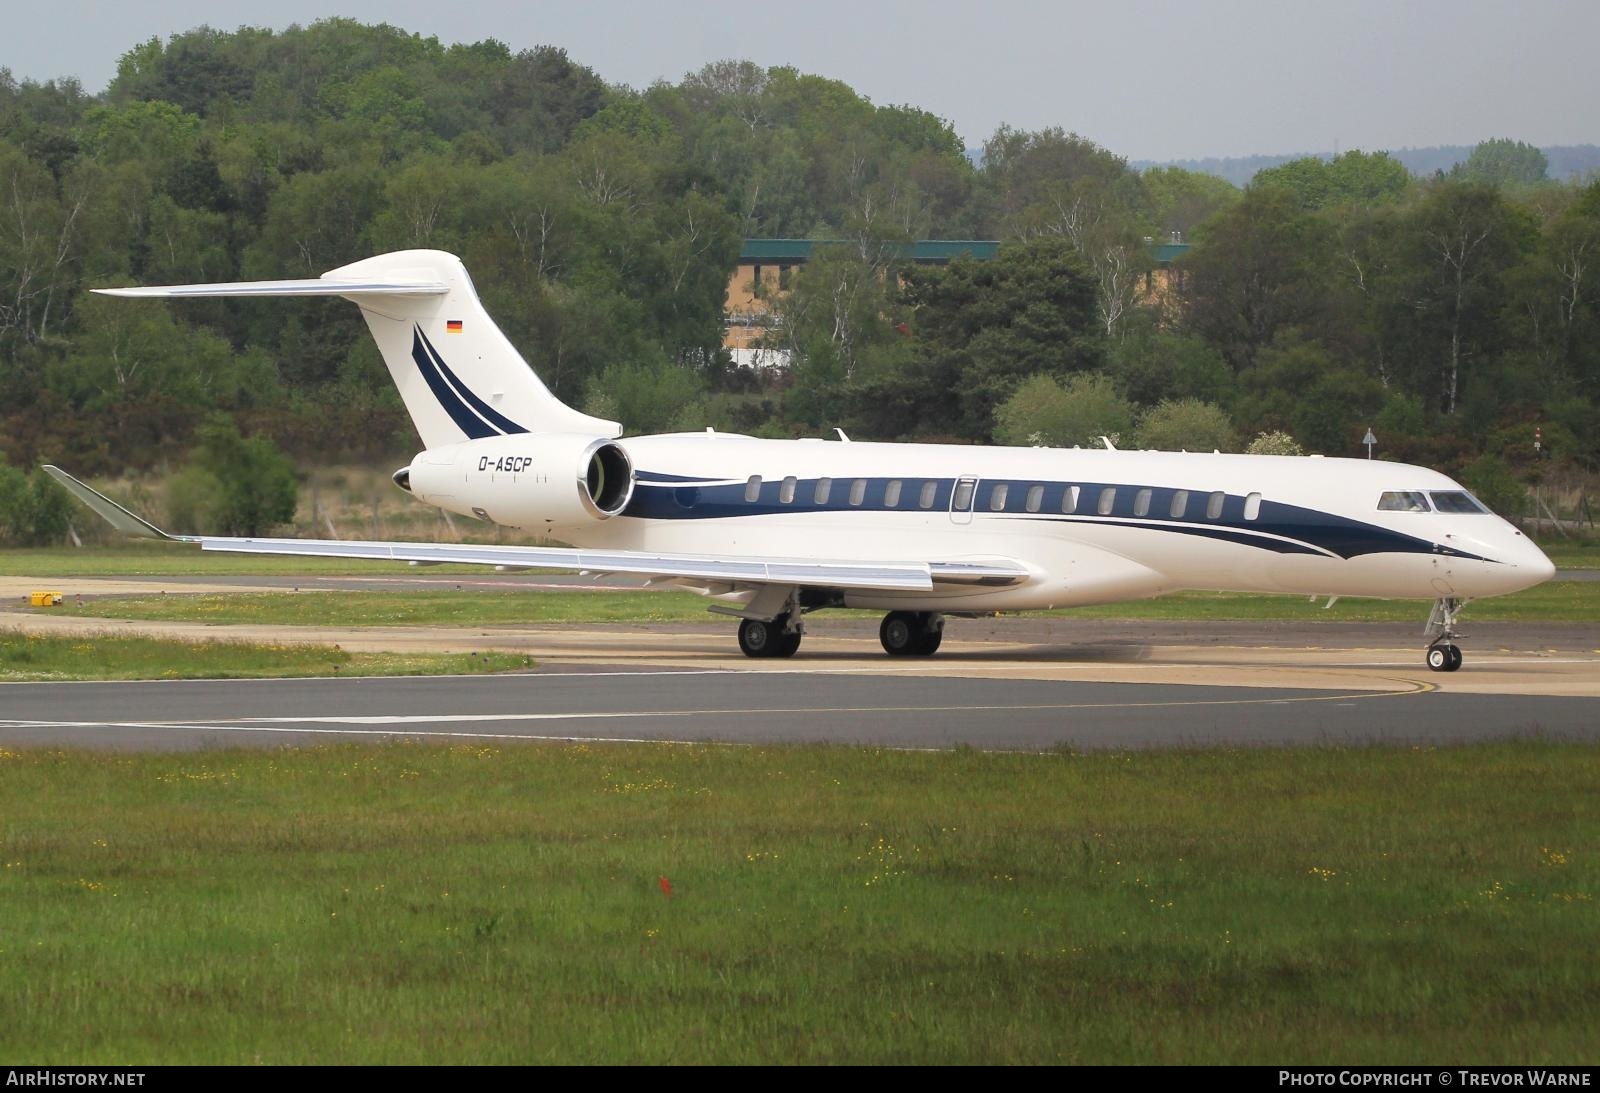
(112, 513)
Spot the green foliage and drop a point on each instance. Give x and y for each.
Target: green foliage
(1274, 442)
(1492, 481)
(1354, 178)
(1503, 162)
(34, 511)
(601, 224)
(1181, 200)
(645, 398)
(1259, 268)
(981, 328)
(1402, 414)
(235, 485)
(1150, 365)
(1074, 414)
(1186, 425)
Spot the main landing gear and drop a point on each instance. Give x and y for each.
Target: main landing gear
(1443, 653)
(911, 633)
(777, 638)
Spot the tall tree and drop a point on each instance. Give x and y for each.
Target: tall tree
(1257, 268)
(1462, 241)
(1503, 162)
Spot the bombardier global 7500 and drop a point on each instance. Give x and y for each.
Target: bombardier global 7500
(771, 530)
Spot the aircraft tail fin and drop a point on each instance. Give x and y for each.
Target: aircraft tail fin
(459, 376)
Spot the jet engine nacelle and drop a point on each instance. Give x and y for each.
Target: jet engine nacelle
(531, 480)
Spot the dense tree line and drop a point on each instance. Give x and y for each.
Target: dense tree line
(1453, 314)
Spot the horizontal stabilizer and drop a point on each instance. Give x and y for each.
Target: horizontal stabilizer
(318, 286)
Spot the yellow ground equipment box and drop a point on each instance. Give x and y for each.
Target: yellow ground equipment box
(44, 599)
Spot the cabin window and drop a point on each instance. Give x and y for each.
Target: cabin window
(962, 500)
(929, 494)
(997, 496)
(1252, 506)
(1108, 498)
(891, 494)
(1403, 501)
(1035, 498)
(1180, 504)
(824, 487)
(1214, 505)
(858, 491)
(786, 491)
(1141, 502)
(752, 488)
(1069, 499)
(1456, 502)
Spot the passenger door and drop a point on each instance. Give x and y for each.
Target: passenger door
(962, 498)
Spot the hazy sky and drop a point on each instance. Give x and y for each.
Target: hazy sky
(1147, 80)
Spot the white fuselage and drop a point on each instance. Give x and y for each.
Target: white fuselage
(1170, 521)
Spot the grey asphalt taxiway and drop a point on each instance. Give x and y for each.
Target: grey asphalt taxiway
(767, 707)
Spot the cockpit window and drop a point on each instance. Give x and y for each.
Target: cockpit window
(1456, 501)
(1403, 501)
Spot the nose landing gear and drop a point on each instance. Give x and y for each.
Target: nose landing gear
(1443, 653)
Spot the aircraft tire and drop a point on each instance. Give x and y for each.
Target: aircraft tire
(1444, 658)
(759, 639)
(899, 633)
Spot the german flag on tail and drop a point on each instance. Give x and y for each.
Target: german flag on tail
(452, 326)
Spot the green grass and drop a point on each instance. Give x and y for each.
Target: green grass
(1572, 601)
(409, 904)
(1572, 554)
(105, 656)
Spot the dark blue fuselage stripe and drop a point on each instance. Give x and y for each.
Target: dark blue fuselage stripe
(483, 409)
(1280, 528)
(1228, 535)
(468, 422)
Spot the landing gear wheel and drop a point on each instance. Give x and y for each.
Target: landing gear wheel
(757, 638)
(911, 633)
(768, 639)
(1444, 658)
(1443, 654)
(898, 633)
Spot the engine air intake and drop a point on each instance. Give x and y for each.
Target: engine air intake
(607, 484)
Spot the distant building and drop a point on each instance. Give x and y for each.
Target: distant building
(765, 266)
(763, 272)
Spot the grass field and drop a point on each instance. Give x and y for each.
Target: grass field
(406, 904)
(1577, 601)
(105, 656)
(1573, 553)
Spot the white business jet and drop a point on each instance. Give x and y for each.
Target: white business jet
(771, 530)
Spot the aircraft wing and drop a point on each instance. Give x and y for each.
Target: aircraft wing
(734, 569)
